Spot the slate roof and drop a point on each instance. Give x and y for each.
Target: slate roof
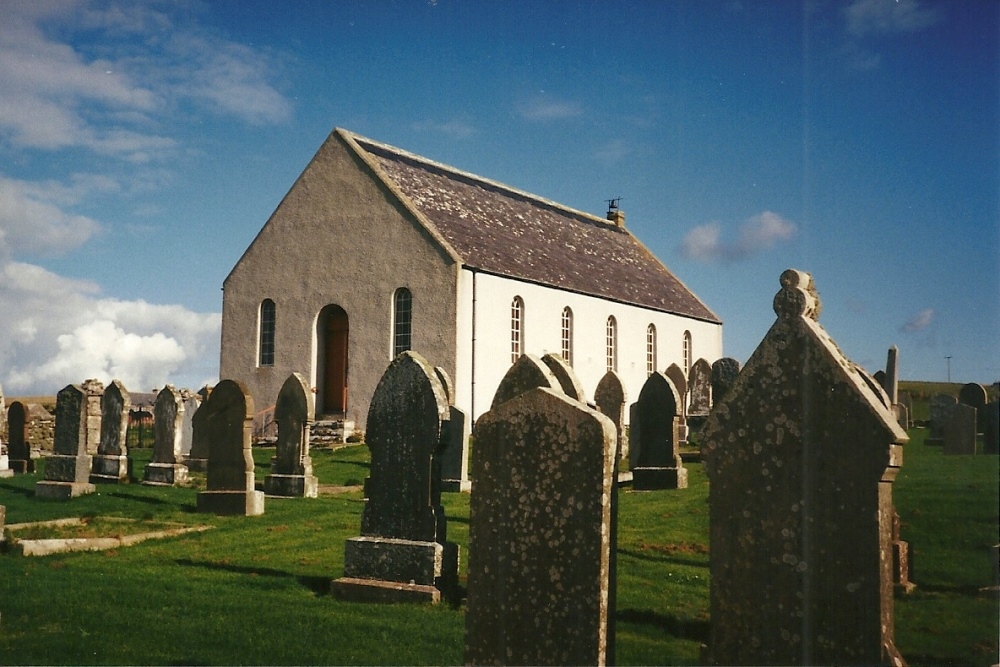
(500, 230)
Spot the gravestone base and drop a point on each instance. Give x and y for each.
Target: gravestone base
(292, 486)
(62, 490)
(241, 503)
(196, 465)
(5, 470)
(901, 584)
(402, 562)
(62, 468)
(456, 485)
(650, 479)
(112, 469)
(165, 474)
(385, 592)
(22, 467)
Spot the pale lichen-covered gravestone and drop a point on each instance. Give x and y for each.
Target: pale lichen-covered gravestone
(700, 389)
(192, 402)
(94, 389)
(528, 372)
(540, 533)
(679, 378)
(18, 449)
(67, 471)
(403, 554)
(111, 461)
(197, 459)
(960, 430)
(610, 398)
(568, 381)
(454, 458)
(800, 456)
(166, 467)
(291, 467)
(941, 406)
(228, 425)
(991, 437)
(724, 374)
(653, 440)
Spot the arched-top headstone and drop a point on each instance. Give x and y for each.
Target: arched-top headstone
(115, 405)
(446, 383)
(526, 373)
(654, 438)
(566, 376)
(724, 373)
(679, 379)
(229, 421)
(68, 469)
(18, 449)
(167, 418)
(293, 412)
(610, 398)
(700, 389)
(973, 395)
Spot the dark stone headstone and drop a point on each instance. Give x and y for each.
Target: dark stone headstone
(941, 406)
(111, 461)
(974, 395)
(166, 467)
(890, 379)
(679, 378)
(197, 459)
(455, 456)
(610, 398)
(653, 441)
(724, 374)
(700, 389)
(960, 431)
(18, 449)
(991, 436)
(228, 424)
(67, 471)
(527, 373)
(539, 533)
(800, 457)
(291, 468)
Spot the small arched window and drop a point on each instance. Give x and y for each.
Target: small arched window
(516, 329)
(687, 353)
(650, 350)
(567, 335)
(611, 338)
(402, 322)
(267, 318)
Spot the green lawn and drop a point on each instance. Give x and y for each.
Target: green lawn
(255, 590)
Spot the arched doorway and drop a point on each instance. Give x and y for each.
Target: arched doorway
(331, 363)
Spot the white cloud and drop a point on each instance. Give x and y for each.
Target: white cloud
(871, 17)
(33, 222)
(456, 129)
(544, 108)
(56, 331)
(758, 234)
(919, 321)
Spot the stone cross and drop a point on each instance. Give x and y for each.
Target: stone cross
(653, 440)
(166, 467)
(67, 471)
(611, 398)
(540, 533)
(960, 430)
(18, 449)
(111, 461)
(700, 389)
(291, 467)
(800, 456)
(228, 424)
(403, 553)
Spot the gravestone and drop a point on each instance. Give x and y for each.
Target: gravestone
(902, 565)
(941, 406)
(991, 436)
(906, 400)
(611, 398)
(960, 431)
(540, 533)
(974, 395)
(653, 442)
(5, 469)
(67, 470)
(111, 461)
(228, 426)
(166, 467)
(800, 457)
(18, 449)
(455, 456)
(890, 380)
(403, 554)
(724, 374)
(679, 378)
(197, 458)
(192, 402)
(700, 389)
(568, 381)
(291, 467)
(94, 389)
(526, 373)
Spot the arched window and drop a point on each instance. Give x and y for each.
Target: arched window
(611, 337)
(687, 353)
(402, 322)
(516, 329)
(650, 350)
(266, 339)
(567, 335)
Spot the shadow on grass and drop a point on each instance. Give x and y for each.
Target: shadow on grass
(678, 627)
(662, 558)
(139, 499)
(318, 585)
(28, 493)
(347, 462)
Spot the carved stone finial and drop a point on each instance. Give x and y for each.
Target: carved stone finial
(797, 296)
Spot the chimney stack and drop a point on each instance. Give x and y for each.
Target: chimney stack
(615, 214)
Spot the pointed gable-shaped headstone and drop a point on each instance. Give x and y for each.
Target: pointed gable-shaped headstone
(403, 553)
(801, 455)
(230, 484)
(166, 467)
(528, 372)
(18, 449)
(111, 461)
(678, 377)
(67, 471)
(291, 466)
(653, 437)
(610, 398)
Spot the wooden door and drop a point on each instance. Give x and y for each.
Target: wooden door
(335, 371)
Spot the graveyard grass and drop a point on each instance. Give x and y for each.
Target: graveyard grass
(256, 590)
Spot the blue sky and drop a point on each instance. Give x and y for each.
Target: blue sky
(144, 144)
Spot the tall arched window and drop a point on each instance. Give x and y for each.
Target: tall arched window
(516, 329)
(650, 350)
(567, 335)
(687, 353)
(611, 337)
(402, 322)
(265, 355)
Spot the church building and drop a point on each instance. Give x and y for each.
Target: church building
(375, 251)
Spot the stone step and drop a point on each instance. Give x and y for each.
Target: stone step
(330, 432)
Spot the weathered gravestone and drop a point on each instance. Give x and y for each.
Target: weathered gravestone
(111, 461)
(700, 389)
(902, 564)
(890, 381)
(455, 456)
(228, 424)
(724, 374)
(403, 554)
(197, 459)
(67, 471)
(94, 389)
(960, 430)
(941, 406)
(5, 469)
(540, 535)
(564, 373)
(611, 398)
(800, 456)
(906, 400)
(528, 372)
(679, 378)
(974, 395)
(653, 440)
(192, 402)
(166, 467)
(291, 466)
(991, 437)
(18, 449)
